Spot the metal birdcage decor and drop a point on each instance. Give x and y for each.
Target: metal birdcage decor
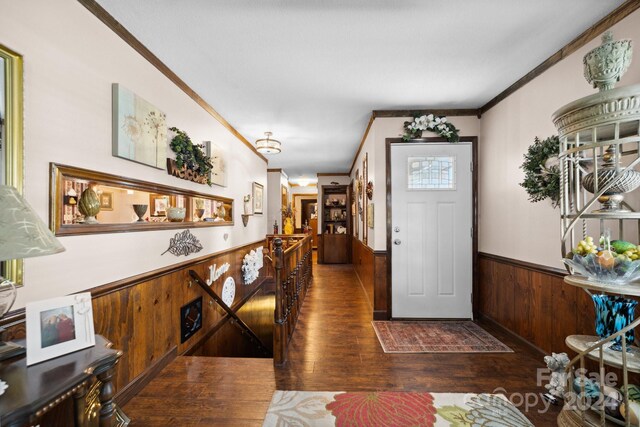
(599, 138)
(599, 145)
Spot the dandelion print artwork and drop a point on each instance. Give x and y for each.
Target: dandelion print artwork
(139, 129)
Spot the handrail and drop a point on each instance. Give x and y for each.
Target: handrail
(288, 240)
(238, 322)
(293, 272)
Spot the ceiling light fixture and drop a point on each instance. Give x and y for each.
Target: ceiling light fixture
(268, 145)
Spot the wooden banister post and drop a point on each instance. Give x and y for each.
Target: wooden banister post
(310, 259)
(279, 339)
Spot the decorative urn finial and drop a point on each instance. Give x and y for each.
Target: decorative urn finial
(605, 65)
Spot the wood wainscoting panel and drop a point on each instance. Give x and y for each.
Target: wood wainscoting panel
(381, 288)
(363, 263)
(141, 316)
(144, 319)
(537, 306)
(371, 268)
(533, 302)
(505, 277)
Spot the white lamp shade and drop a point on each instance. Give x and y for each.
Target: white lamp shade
(22, 232)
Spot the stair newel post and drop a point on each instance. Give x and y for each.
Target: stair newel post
(279, 340)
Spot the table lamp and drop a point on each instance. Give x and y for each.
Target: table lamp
(22, 235)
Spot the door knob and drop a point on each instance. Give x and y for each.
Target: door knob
(397, 229)
(397, 242)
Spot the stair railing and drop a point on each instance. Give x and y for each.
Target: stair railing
(293, 273)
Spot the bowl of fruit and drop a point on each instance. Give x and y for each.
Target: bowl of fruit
(617, 262)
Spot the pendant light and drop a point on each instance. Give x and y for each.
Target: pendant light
(268, 145)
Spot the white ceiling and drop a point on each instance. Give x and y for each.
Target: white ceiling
(311, 71)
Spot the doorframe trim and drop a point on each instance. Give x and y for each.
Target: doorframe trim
(474, 220)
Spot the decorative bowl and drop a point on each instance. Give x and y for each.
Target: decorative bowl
(176, 214)
(140, 210)
(620, 273)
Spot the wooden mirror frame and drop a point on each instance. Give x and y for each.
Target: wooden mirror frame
(13, 128)
(56, 203)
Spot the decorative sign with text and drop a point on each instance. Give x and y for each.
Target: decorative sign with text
(184, 173)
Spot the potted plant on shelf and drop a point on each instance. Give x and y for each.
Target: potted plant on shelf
(191, 158)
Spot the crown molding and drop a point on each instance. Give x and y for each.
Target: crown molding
(621, 12)
(364, 137)
(422, 112)
(137, 45)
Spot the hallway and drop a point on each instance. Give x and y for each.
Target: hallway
(334, 348)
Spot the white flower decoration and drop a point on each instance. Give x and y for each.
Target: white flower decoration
(431, 123)
(251, 265)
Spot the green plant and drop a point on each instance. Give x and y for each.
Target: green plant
(542, 170)
(190, 155)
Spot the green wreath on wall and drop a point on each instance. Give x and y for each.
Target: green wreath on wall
(542, 170)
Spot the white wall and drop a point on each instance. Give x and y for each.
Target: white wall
(307, 189)
(510, 225)
(374, 145)
(70, 61)
(276, 179)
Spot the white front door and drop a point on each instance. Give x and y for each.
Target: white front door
(431, 230)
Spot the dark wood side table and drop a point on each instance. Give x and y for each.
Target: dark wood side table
(36, 389)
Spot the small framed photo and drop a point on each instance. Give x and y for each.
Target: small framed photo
(106, 201)
(59, 326)
(258, 192)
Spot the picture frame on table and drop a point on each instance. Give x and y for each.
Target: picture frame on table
(59, 326)
(257, 192)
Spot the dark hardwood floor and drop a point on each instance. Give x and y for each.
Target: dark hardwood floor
(334, 348)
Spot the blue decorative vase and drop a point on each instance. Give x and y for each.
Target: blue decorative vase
(613, 314)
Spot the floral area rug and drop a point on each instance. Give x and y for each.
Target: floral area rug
(436, 337)
(391, 408)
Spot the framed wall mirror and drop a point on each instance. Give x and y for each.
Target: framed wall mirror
(125, 204)
(11, 148)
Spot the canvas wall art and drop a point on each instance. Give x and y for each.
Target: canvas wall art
(219, 169)
(139, 129)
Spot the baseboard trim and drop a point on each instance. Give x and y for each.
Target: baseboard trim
(139, 382)
(512, 334)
